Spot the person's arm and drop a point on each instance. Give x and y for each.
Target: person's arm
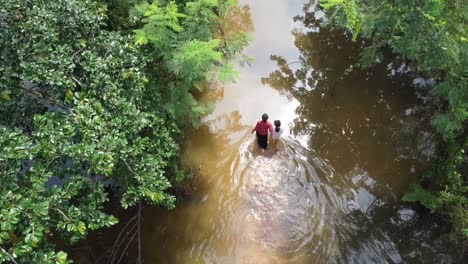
(255, 128)
(270, 127)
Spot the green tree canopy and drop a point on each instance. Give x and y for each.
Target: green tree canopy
(86, 108)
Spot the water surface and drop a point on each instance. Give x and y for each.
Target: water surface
(331, 192)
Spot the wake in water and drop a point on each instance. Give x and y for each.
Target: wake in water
(290, 210)
(284, 206)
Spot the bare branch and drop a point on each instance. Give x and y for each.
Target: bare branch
(77, 81)
(139, 233)
(9, 255)
(130, 169)
(119, 241)
(78, 51)
(126, 247)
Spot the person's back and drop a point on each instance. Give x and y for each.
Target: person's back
(262, 129)
(276, 134)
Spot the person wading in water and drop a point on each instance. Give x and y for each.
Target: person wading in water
(276, 134)
(262, 129)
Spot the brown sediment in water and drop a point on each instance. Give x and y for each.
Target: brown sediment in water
(331, 193)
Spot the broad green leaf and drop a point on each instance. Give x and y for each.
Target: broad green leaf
(81, 228)
(61, 258)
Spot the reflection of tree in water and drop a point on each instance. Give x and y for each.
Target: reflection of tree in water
(238, 18)
(210, 142)
(235, 28)
(351, 116)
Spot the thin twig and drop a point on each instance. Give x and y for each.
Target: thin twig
(8, 254)
(125, 249)
(123, 229)
(139, 233)
(115, 247)
(293, 62)
(60, 211)
(78, 51)
(224, 38)
(114, 253)
(46, 167)
(90, 250)
(76, 80)
(128, 166)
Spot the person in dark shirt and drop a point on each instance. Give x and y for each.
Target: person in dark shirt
(262, 128)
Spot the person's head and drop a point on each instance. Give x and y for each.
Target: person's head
(264, 117)
(277, 125)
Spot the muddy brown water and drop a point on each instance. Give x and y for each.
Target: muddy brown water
(331, 191)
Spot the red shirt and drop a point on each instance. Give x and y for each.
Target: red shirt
(263, 127)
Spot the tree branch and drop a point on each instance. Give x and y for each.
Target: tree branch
(9, 255)
(117, 244)
(139, 233)
(60, 211)
(77, 81)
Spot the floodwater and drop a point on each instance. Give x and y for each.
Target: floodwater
(331, 191)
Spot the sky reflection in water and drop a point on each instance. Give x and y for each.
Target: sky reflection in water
(331, 193)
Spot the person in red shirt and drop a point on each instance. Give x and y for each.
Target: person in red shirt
(262, 129)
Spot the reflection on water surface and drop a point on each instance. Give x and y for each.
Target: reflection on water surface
(331, 193)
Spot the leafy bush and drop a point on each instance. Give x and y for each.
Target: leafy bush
(86, 109)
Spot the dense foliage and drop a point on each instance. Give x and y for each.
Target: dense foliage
(93, 97)
(433, 36)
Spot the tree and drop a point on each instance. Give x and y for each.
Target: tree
(189, 45)
(87, 108)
